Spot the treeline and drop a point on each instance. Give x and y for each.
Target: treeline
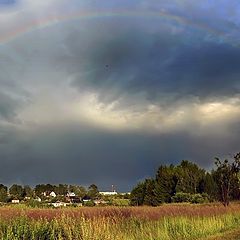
(43, 190)
(187, 182)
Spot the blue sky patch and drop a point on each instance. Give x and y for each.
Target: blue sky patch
(7, 2)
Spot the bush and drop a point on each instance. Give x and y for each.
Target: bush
(89, 204)
(199, 198)
(191, 198)
(181, 197)
(120, 202)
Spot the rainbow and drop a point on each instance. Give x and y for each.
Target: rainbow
(81, 15)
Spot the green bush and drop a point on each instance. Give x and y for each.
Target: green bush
(199, 198)
(190, 198)
(89, 204)
(120, 202)
(181, 197)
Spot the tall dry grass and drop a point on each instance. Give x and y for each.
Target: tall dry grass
(167, 222)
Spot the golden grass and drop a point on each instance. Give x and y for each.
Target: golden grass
(168, 222)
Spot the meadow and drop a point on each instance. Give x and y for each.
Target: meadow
(167, 222)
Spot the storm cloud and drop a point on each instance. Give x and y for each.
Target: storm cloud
(106, 93)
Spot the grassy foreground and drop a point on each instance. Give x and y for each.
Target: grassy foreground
(118, 223)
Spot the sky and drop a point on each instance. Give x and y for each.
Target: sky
(105, 92)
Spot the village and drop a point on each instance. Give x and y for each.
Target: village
(62, 196)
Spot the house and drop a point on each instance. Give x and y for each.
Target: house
(15, 201)
(100, 202)
(52, 194)
(38, 199)
(59, 204)
(108, 193)
(73, 199)
(71, 194)
(86, 199)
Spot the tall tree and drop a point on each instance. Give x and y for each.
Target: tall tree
(166, 182)
(16, 191)
(150, 197)
(190, 177)
(138, 194)
(3, 193)
(93, 191)
(28, 192)
(210, 186)
(226, 173)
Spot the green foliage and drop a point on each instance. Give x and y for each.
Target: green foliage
(187, 182)
(210, 186)
(33, 203)
(93, 191)
(150, 197)
(181, 197)
(165, 183)
(120, 202)
(99, 228)
(189, 177)
(3, 193)
(89, 203)
(16, 191)
(61, 189)
(28, 191)
(80, 191)
(138, 194)
(199, 198)
(227, 176)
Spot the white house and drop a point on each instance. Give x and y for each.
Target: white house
(59, 204)
(38, 199)
(52, 194)
(108, 193)
(15, 201)
(71, 194)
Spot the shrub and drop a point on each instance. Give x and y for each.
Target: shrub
(191, 198)
(181, 197)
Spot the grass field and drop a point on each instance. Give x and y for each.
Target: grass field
(130, 223)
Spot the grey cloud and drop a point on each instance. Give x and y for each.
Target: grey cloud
(82, 154)
(130, 60)
(8, 107)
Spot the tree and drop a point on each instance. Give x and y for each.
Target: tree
(3, 193)
(80, 191)
(28, 192)
(166, 182)
(16, 191)
(190, 177)
(93, 191)
(210, 185)
(150, 197)
(61, 189)
(39, 189)
(137, 194)
(226, 173)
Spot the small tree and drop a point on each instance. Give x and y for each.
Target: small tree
(93, 191)
(226, 173)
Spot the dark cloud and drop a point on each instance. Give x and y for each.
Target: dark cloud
(157, 63)
(86, 155)
(7, 107)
